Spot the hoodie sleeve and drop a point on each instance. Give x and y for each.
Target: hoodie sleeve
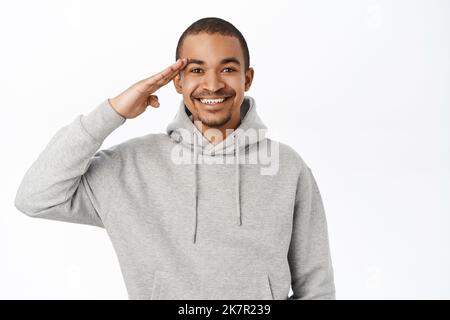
(309, 252)
(57, 186)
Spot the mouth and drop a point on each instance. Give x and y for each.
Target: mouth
(213, 101)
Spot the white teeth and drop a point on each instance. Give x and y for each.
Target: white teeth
(212, 101)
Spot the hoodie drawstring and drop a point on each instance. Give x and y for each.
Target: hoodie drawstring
(195, 189)
(237, 185)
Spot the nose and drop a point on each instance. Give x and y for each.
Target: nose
(213, 82)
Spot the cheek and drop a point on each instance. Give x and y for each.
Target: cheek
(238, 82)
(189, 86)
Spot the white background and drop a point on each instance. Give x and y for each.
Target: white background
(359, 88)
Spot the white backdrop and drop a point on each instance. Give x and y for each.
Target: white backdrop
(359, 88)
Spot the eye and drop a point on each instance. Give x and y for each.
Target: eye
(230, 69)
(192, 70)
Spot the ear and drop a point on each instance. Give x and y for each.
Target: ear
(249, 74)
(177, 83)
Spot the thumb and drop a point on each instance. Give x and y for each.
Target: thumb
(153, 101)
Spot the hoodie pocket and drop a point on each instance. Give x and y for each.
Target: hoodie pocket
(168, 286)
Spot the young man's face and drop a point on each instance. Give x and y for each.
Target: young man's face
(208, 75)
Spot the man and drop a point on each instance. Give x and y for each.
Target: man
(192, 213)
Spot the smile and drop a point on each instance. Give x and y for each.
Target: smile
(213, 101)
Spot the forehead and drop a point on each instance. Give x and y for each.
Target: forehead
(211, 47)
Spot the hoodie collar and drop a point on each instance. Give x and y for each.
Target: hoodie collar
(182, 130)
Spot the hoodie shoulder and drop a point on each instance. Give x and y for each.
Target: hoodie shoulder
(113, 160)
(289, 156)
(119, 152)
(145, 141)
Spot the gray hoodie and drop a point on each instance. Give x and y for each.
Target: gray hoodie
(188, 219)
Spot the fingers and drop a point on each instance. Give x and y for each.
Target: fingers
(169, 73)
(155, 82)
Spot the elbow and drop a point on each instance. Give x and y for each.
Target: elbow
(21, 204)
(24, 205)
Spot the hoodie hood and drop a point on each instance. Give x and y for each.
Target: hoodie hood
(182, 130)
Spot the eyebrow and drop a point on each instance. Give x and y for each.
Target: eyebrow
(223, 61)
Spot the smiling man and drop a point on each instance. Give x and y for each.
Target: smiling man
(193, 213)
(213, 87)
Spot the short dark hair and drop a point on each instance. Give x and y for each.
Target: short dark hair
(212, 25)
